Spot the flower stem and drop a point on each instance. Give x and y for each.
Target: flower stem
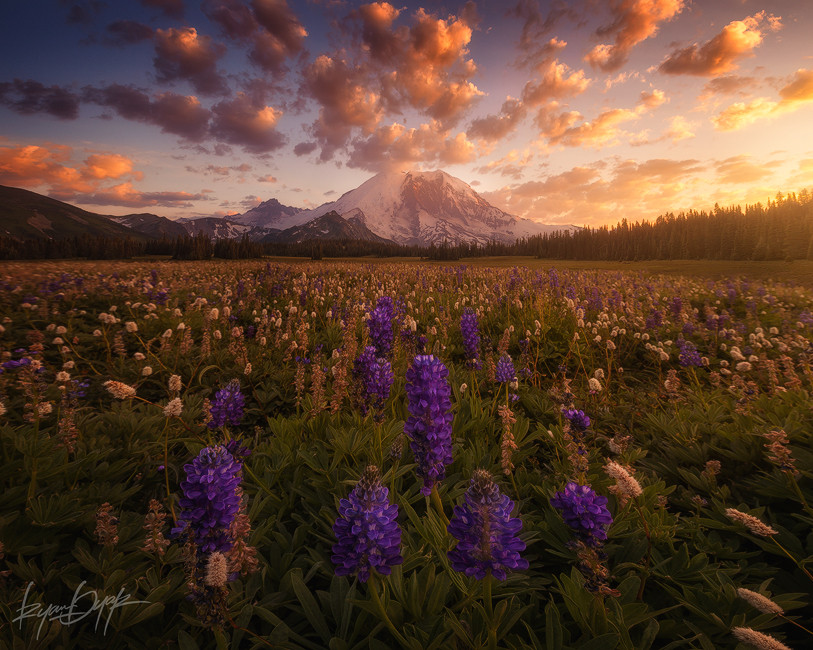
(383, 612)
(489, 606)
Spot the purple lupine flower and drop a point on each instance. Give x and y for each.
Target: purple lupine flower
(485, 531)
(579, 420)
(429, 425)
(379, 383)
(505, 372)
(470, 330)
(585, 512)
(367, 533)
(380, 324)
(227, 405)
(211, 499)
(688, 354)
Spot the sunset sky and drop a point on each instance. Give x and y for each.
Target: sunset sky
(582, 112)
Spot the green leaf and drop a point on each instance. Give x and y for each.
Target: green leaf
(312, 611)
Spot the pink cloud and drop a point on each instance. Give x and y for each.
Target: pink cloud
(183, 54)
(633, 21)
(721, 54)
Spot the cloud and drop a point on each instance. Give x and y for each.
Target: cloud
(800, 89)
(305, 148)
(728, 85)
(535, 26)
(514, 164)
(31, 97)
(424, 65)
(492, 128)
(54, 167)
(271, 30)
(740, 169)
(345, 100)
(125, 195)
(602, 193)
(127, 32)
(633, 21)
(398, 147)
(652, 100)
(170, 8)
(243, 121)
(795, 94)
(556, 81)
(721, 54)
(281, 24)
(182, 54)
(267, 179)
(177, 114)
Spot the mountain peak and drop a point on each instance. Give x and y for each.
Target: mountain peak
(408, 207)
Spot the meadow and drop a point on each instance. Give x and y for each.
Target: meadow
(340, 454)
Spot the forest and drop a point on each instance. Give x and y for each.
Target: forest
(782, 229)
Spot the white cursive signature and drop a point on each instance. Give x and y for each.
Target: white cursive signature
(73, 613)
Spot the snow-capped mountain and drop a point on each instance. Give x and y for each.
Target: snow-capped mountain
(218, 228)
(266, 215)
(421, 208)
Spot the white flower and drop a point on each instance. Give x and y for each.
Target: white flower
(594, 384)
(174, 408)
(146, 371)
(131, 326)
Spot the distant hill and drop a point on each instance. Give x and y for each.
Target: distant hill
(328, 226)
(28, 215)
(152, 225)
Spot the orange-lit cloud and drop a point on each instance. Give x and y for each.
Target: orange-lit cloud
(633, 21)
(793, 96)
(346, 102)
(741, 169)
(244, 121)
(53, 166)
(600, 193)
(605, 130)
(125, 195)
(514, 164)
(182, 54)
(395, 146)
(721, 54)
(55, 170)
(552, 80)
(556, 81)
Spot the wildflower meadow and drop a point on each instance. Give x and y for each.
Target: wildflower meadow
(349, 455)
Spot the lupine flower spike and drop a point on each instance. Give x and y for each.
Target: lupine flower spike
(429, 426)
(367, 534)
(486, 534)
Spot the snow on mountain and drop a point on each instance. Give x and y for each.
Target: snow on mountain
(422, 208)
(266, 215)
(218, 228)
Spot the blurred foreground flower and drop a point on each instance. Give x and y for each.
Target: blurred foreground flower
(367, 533)
(485, 531)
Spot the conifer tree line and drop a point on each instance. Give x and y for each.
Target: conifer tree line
(780, 230)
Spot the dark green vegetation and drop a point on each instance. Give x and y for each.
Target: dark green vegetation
(699, 440)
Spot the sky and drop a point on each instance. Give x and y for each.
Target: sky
(581, 112)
